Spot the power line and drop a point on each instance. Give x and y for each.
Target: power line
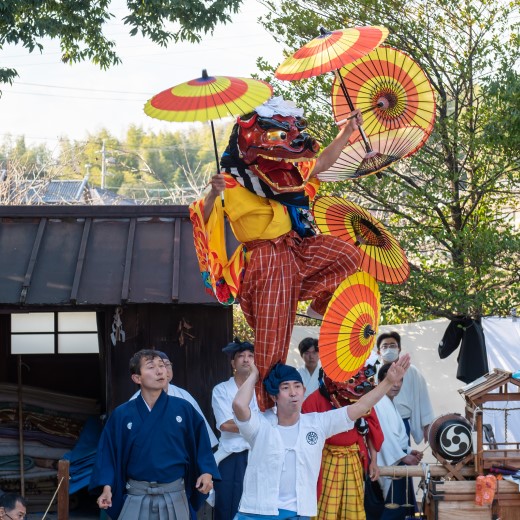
(82, 88)
(83, 98)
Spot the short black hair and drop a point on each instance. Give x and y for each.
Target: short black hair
(393, 334)
(8, 501)
(162, 355)
(237, 346)
(306, 344)
(383, 371)
(146, 353)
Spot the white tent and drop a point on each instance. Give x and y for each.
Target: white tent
(421, 340)
(503, 351)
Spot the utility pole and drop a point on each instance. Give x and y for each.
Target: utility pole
(103, 165)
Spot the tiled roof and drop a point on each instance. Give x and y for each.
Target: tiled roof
(98, 255)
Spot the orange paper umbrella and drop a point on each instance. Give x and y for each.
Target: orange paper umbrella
(208, 98)
(391, 90)
(349, 326)
(381, 255)
(330, 51)
(387, 147)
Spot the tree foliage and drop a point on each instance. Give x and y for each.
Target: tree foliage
(164, 168)
(78, 25)
(453, 205)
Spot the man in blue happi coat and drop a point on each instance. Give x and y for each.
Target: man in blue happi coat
(154, 459)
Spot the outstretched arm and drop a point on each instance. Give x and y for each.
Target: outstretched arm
(218, 184)
(244, 395)
(395, 374)
(328, 157)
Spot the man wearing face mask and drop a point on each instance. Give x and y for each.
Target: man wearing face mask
(413, 401)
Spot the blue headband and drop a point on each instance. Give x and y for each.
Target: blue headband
(238, 346)
(279, 374)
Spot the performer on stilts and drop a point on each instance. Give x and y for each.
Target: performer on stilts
(269, 177)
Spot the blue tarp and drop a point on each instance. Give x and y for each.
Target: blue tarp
(83, 455)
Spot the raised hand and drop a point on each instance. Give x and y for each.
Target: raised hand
(398, 369)
(218, 184)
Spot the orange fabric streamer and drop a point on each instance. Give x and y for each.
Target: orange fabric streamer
(485, 490)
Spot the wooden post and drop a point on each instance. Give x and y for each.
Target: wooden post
(63, 492)
(480, 440)
(20, 428)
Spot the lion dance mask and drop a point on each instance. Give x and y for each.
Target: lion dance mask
(269, 142)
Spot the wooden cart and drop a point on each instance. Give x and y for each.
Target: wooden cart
(491, 388)
(455, 499)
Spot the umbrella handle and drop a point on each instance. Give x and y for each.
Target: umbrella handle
(373, 107)
(216, 156)
(352, 107)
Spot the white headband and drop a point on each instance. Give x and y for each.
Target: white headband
(277, 105)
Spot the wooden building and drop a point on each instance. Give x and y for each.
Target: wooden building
(134, 263)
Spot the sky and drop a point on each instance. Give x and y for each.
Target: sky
(50, 99)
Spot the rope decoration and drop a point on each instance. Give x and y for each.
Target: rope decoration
(506, 411)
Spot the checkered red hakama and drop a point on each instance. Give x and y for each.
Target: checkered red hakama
(280, 273)
(342, 496)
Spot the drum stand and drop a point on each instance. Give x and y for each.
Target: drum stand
(454, 469)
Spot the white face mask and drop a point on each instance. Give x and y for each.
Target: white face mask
(390, 355)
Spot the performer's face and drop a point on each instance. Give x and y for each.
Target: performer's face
(389, 350)
(311, 358)
(290, 397)
(19, 512)
(169, 369)
(395, 389)
(277, 137)
(153, 374)
(242, 362)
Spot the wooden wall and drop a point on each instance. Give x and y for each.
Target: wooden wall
(191, 335)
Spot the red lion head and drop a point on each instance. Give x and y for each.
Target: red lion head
(352, 390)
(271, 145)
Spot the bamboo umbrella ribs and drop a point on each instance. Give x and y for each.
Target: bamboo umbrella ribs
(349, 326)
(391, 89)
(381, 255)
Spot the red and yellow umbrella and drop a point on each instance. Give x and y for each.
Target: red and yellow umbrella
(349, 326)
(390, 88)
(208, 98)
(330, 51)
(385, 148)
(381, 255)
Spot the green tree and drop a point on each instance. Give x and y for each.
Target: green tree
(34, 158)
(78, 25)
(452, 206)
(169, 167)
